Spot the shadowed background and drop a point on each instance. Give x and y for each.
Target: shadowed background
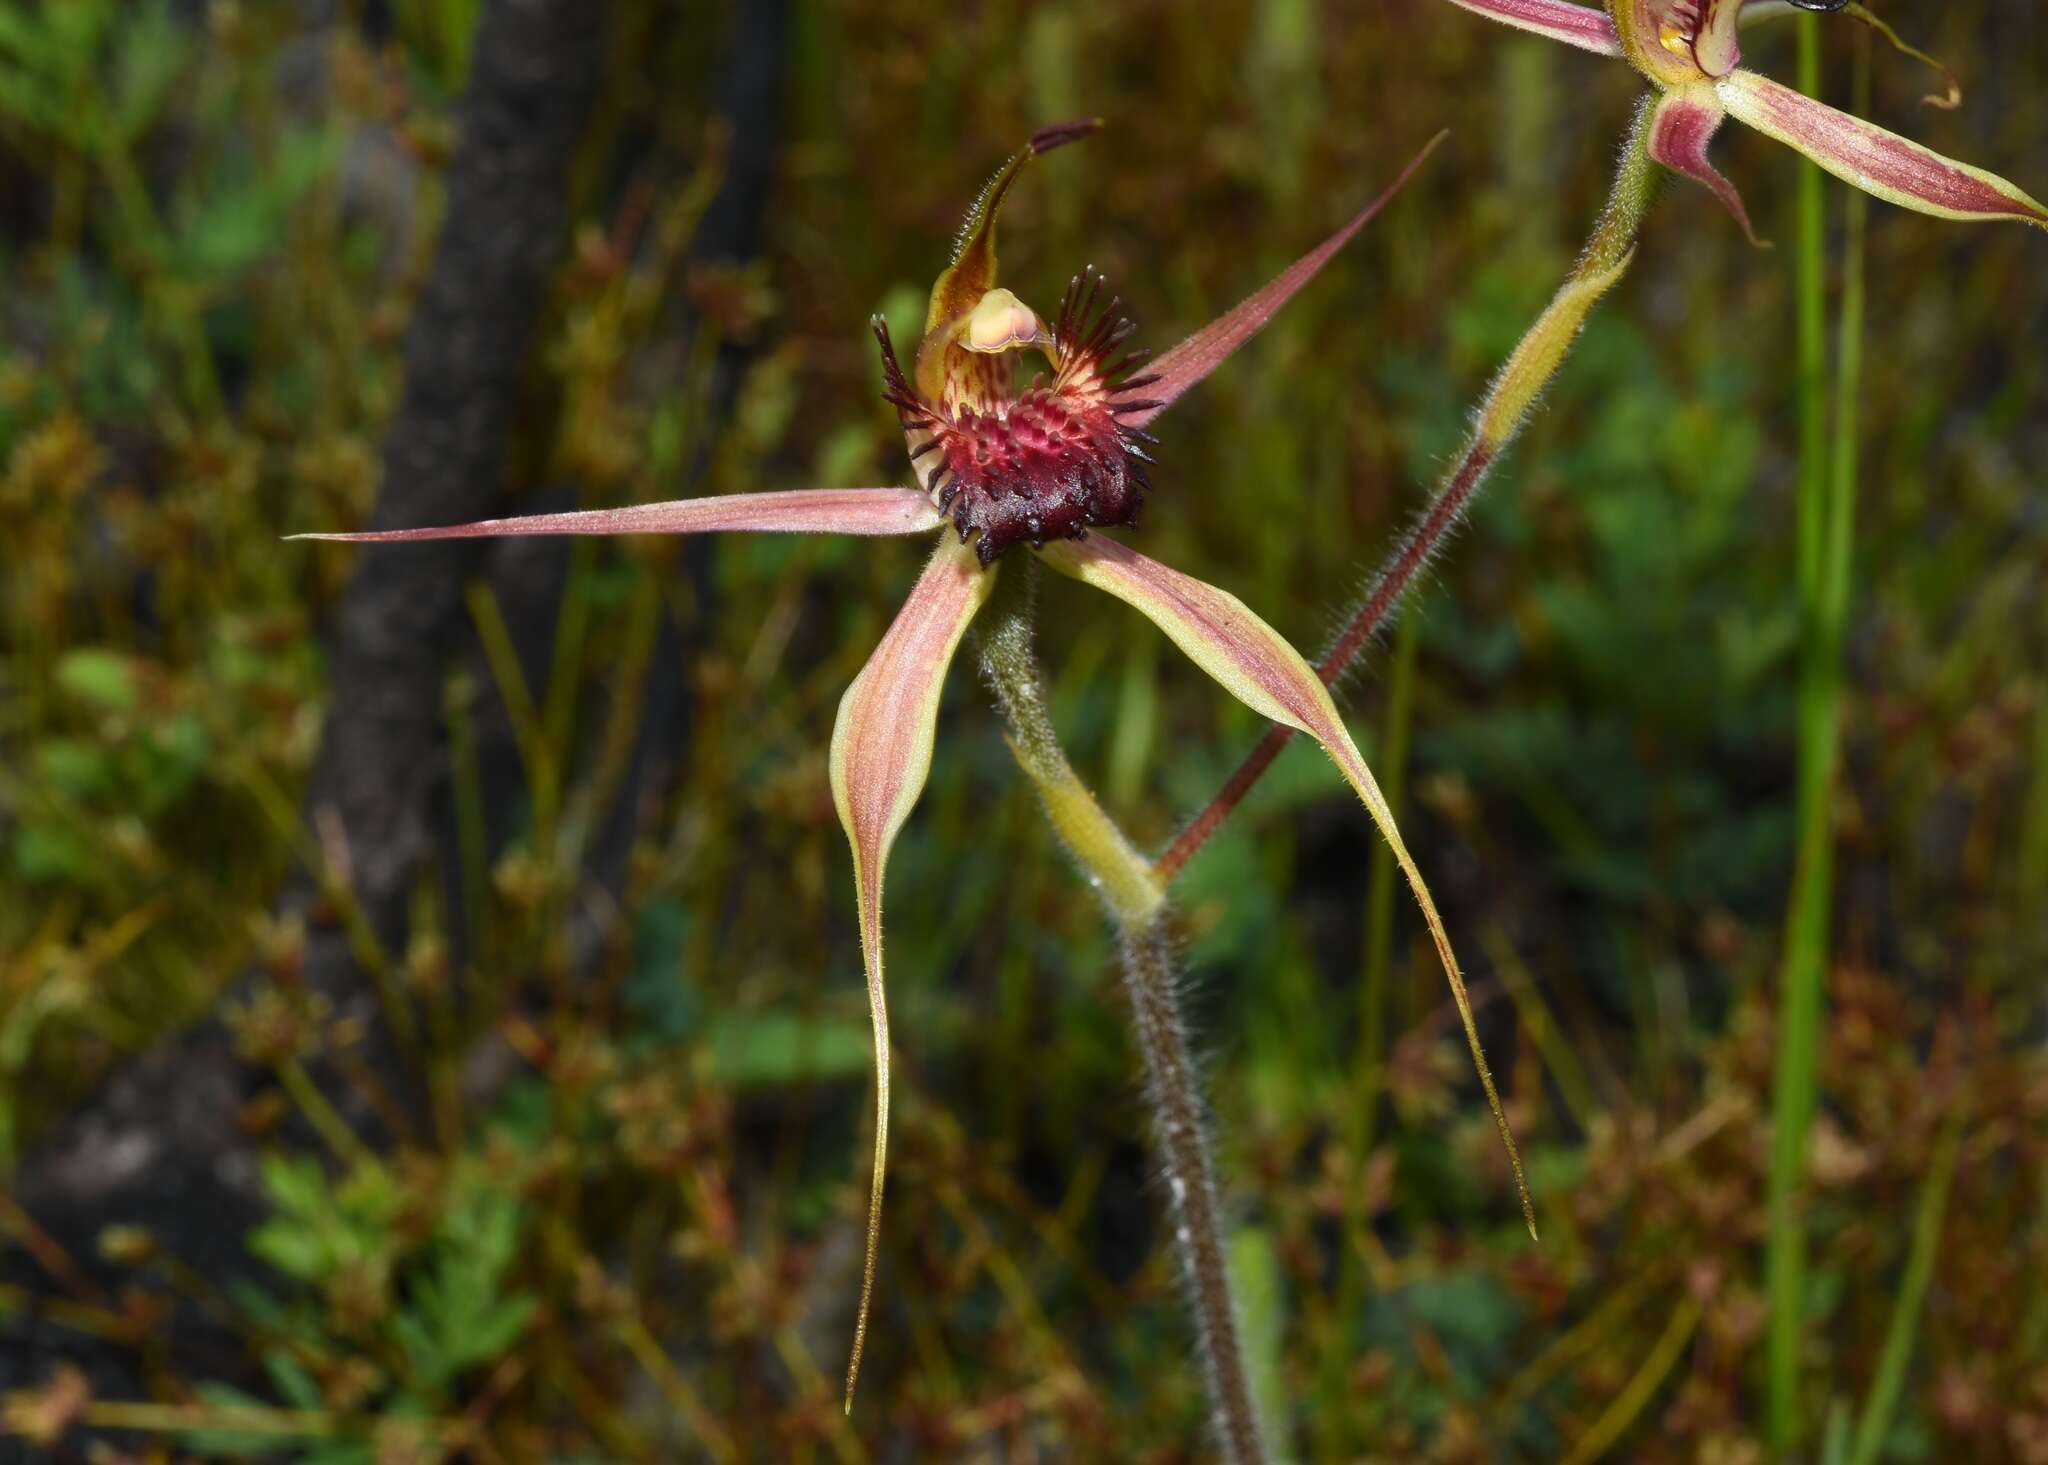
(430, 1003)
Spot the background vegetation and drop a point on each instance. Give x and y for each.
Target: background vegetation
(602, 1201)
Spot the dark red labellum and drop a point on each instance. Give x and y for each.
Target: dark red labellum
(1050, 462)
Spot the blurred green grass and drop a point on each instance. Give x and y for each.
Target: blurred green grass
(203, 285)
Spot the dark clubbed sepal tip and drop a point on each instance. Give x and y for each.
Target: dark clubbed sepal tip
(1059, 134)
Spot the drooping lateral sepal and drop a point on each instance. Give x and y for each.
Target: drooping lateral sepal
(881, 756)
(1255, 664)
(1685, 121)
(1866, 156)
(1576, 25)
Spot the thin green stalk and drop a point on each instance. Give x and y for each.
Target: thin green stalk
(1642, 1386)
(572, 630)
(1905, 1320)
(1379, 892)
(1844, 462)
(1578, 1341)
(528, 730)
(1826, 537)
(323, 1116)
(1545, 1033)
(1529, 369)
(2033, 1328)
(1811, 300)
(1834, 1440)
(1366, 1060)
(472, 840)
(2033, 853)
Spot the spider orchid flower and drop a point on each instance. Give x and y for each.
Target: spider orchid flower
(1688, 50)
(1042, 465)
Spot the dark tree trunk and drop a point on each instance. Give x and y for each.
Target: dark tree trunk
(161, 1146)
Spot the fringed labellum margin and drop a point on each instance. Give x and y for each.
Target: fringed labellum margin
(1049, 462)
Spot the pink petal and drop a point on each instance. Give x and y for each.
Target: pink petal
(881, 753)
(1683, 125)
(1866, 156)
(1173, 372)
(1255, 664)
(796, 511)
(1575, 25)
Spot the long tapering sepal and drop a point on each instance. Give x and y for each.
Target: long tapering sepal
(796, 511)
(1255, 664)
(1864, 155)
(1684, 123)
(881, 755)
(1576, 25)
(1170, 375)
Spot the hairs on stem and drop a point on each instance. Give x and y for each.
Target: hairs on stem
(1514, 391)
(1135, 898)
(1528, 370)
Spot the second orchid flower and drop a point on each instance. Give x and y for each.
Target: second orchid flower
(1688, 50)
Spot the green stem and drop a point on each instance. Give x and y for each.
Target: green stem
(2033, 851)
(1182, 1129)
(1372, 1000)
(1642, 1386)
(1811, 300)
(1379, 894)
(1826, 538)
(1905, 1319)
(1528, 371)
(323, 1116)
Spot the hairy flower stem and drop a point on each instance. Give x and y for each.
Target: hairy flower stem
(1529, 369)
(1184, 1143)
(1136, 901)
